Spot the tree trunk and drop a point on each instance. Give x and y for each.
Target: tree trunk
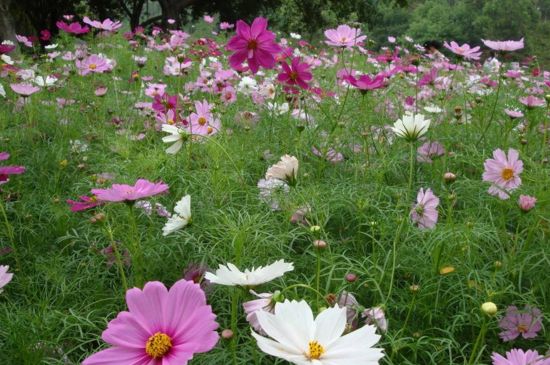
(7, 26)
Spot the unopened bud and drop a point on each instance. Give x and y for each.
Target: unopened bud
(489, 308)
(227, 334)
(449, 177)
(351, 277)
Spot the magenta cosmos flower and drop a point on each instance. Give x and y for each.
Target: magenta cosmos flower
(464, 51)
(93, 64)
(504, 45)
(254, 44)
(6, 171)
(107, 25)
(344, 36)
(365, 83)
(525, 323)
(24, 89)
(122, 192)
(424, 213)
(297, 74)
(503, 172)
(85, 202)
(161, 327)
(519, 357)
(72, 28)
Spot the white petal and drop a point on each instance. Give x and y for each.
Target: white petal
(330, 324)
(173, 149)
(183, 207)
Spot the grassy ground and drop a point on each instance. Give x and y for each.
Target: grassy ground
(63, 294)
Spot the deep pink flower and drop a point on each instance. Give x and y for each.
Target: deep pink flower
(254, 44)
(503, 172)
(161, 327)
(164, 102)
(6, 171)
(424, 213)
(526, 202)
(85, 202)
(504, 45)
(107, 25)
(365, 82)
(344, 36)
(429, 77)
(532, 101)
(24, 89)
(519, 357)
(464, 51)
(94, 64)
(517, 323)
(73, 28)
(298, 73)
(429, 150)
(122, 192)
(6, 47)
(45, 35)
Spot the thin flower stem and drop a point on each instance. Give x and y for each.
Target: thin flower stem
(411, 168)
(11, 235)
(137, 254)
(318, 276)
(305, 287)
(118, 258)
(480, 338)
(394, 257)
(493, 109)
(234, 312)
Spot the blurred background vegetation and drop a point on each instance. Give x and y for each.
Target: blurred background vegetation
(460, 20)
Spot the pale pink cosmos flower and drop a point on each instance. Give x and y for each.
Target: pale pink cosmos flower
(153, 89)
(464, 50)
(160, 327)
(429, 150)
(25, 40)
(424, 213)
(503, 172)
(203, 122)
(226, 26)
(504, 45)
(516, 323)
(264, 302)
(520, 357)
(377, 317)
(94, 64)
(24, 89)
(532, 101)
(526, 202)
(122, 192)
(5, 276)
(208, 19)
(107, 25)
(513, 113)
(344, 36)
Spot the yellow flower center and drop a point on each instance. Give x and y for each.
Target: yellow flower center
(209, 130)
(507, 173)
(158, 345)
(93, 66)
(522, 328)
(315, 350)
(202, 120)
(171, 121)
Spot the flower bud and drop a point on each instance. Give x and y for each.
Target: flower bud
(449, 177)
(351, 277)
(320, 244)
(227, 334)
(314, 229)
(489, 308)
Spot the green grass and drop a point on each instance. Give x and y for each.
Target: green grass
(63, 294)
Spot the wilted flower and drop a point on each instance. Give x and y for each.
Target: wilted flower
(429, 150)
(268, 189)
(376, 316)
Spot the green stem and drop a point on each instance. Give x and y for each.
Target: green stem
(118, 259)
(318, 276)
(305, 287)
(394, 257)
(479, 340)
(411, 167)
(493, 110)
(137, 254)
(234, 312)
(11, 235)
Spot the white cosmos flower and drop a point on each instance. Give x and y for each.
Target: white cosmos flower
(51, 46)
(286, 169)
(177, 135)
(247, 85)
(2, 91)
(232, 276)
(300, 339)
(7, 59)
(45, 81)
(180, 218)
(411, 126)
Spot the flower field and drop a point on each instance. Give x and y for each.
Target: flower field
(234, 195)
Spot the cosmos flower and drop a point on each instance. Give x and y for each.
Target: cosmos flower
(72, 28)
(344, 36)
(286, 169)
(230, 275)
(296, 74)
(411, 126)
(6, 171)
(503, 172)
(429, 150)
(504, 45)
(525, 323)
(202, 121)
(377, 317)
(24, 89)
(160, 327)
(520, 357)
(94, 64)
(265, 302)
(464, 50)
(85, 202)
(122, 192)
(180, 218)
(424, 213)
(177, 136)
(253, 44)
(526, 202)
(300, 339)
(107, 25)
(532, 101)
(5, 276)
(365, 83)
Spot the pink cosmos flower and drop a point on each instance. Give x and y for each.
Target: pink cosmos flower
(517, 323)
(226, 26)
(25, 40)
(6, 47)
(153, 90)
(532, 101)
(208, 19)
(164, 102)
(464, 51)
(377, 317)
(85, 202)
(429, 150)
(264, 302)
(344, 36)
(429, 77)
(107, 25)
(365, 82)
(93, 64)
(122, 192)
(160, 327)
(203, 122)
(298, 73)
(73, 28)
(503, 172)
(526, 202)
(504, 45)
(45, 35)
(5, 276)
(254, 44)
(24, 89)
(513, 113)
(331, 155)
(6, 171)
(424, 213)
(519, 357)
